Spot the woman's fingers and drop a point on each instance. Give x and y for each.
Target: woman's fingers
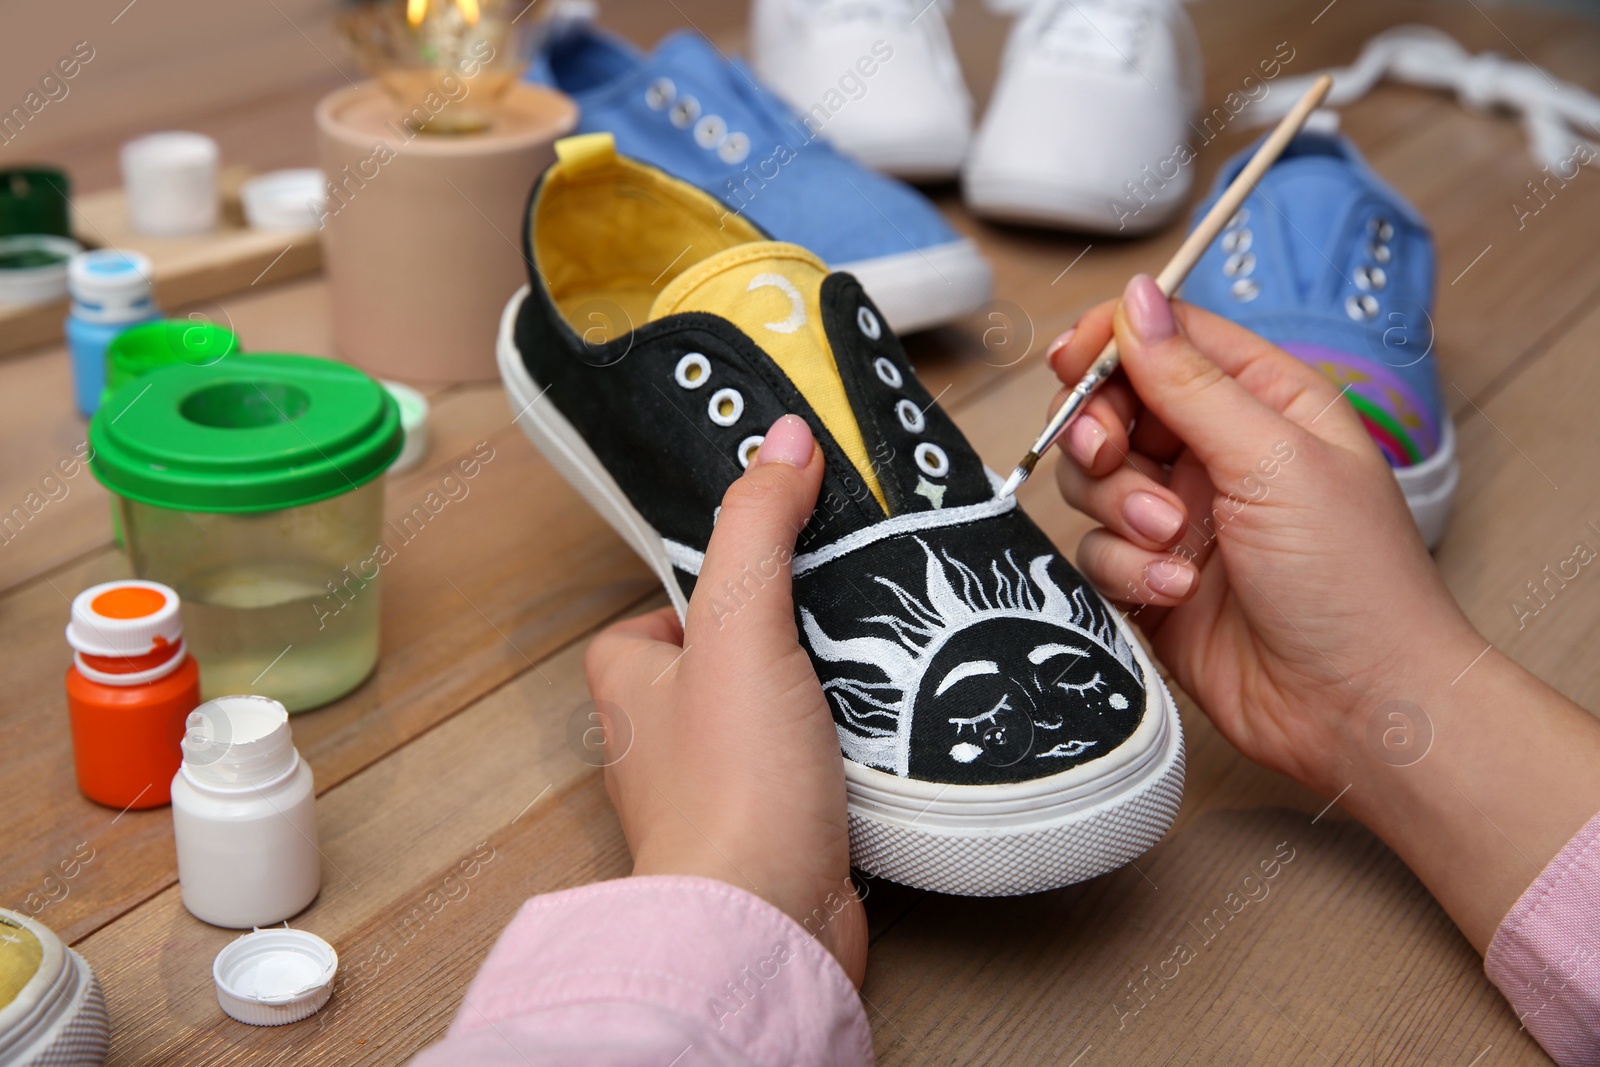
(1128, 501)
(1133, 576)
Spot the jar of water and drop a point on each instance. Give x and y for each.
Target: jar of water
(253, 488)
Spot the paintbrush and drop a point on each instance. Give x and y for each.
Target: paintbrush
(1176, 270)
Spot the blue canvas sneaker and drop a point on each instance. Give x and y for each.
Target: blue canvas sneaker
(1328, 262)
(691, 111)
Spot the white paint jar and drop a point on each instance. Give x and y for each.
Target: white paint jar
(244, 816)
(170, 180)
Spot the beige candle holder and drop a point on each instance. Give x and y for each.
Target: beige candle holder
(422, 234)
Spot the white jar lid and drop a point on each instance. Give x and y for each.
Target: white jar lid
(36, 285)
(285, 200)
(129, 617)
(276, 976)
(413, 421)
(110, 284)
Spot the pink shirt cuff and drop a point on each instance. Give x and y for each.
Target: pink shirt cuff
(1545, 956)
(660, 970)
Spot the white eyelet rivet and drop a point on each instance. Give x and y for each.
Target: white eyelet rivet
(932, 460)
(693, 370)
(910, 416)
(1380, 253)
(888, 373)
(1361, 308)
(747, 453)
(685, 111)
(726, 406)
(1240, 217)
(1245, 290)
(1239, 265)
(1237, 241)
(868, 322)
(660, 93)
(710, 131)
(736, 149)
(1377, 277)
(1382, 229)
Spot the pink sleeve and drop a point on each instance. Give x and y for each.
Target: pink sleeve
(1545, 957)
(662, 970)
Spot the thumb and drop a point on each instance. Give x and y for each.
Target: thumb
(1227, 427)
(747, 563)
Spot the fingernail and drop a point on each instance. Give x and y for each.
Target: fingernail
(1148, 311)
(1057, 345)
(788, 441)
(1152, 517)
(1169, 577)
(1084, 440)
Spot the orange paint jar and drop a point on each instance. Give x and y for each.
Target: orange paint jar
(131, 686)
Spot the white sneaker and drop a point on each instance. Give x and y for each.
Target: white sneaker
(1088, 126)
(877, 78)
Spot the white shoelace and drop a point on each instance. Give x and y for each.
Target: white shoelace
(1111, 34)
(898, 11)
(1554, 114)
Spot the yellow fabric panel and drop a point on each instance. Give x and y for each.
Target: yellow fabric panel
(772, 291)
(20, 956)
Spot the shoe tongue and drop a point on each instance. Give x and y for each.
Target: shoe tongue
(772, 292)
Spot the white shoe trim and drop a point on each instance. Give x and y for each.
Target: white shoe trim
(925, 286)
(1430, 486)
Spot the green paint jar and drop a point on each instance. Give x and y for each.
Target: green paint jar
(140, 349)
(253, 488)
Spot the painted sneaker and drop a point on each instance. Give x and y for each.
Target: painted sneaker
(1331, 264)
(689, 110)
(1088, 127)
(52, 1013)
(1003, 732)
(878, 78)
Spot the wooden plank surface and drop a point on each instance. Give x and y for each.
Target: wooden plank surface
(455, 757)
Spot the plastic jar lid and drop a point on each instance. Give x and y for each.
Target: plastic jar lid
(108, 285)
(414, 421)
(125, 618)
(244, 435)
(33, 268)
(272, 977)
(285, 200)
(140, 349)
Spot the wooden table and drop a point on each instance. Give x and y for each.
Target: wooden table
(455, 755)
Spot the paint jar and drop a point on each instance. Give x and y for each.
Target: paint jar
(111, 291)
(170, 180)
(35, 200)
(252, 487)
(140, 349)
(244, 816)
(131, 686)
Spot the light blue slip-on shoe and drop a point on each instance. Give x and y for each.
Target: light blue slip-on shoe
(702, 117)
(1328, 262)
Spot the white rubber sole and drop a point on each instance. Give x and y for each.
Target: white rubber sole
(1007, 199)
(926, 287)
(1001, 840)
(1430, 486)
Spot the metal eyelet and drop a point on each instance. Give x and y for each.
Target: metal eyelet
(869, 324)
(888, 373)
(684, 112)
(693, 370)
(1362, 308)
(1237, 241)
(1245, 290)
(1239, 265)
(725, 407)
(748, 449)
(1240, 217)
(911, 416)
(1382, 229)
(660, 93)
(1370, 278)
(932, 460)
(735, 149)
(710, 131)
(1380, 253)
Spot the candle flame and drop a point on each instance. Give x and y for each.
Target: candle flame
(417, 10)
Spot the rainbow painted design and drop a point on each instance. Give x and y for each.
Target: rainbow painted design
(1404, 428)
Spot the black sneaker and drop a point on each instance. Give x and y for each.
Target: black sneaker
(1003, 731)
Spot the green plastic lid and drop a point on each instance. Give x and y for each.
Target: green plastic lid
(256, 434)
(140, 349)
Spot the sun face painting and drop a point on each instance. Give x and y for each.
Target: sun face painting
(1007, 679)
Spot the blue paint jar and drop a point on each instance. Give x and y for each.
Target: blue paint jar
(111, 291)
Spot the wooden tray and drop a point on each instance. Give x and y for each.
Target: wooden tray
(187, 269)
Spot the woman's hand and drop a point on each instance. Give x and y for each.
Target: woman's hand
(1261, 539)
(726, 764)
